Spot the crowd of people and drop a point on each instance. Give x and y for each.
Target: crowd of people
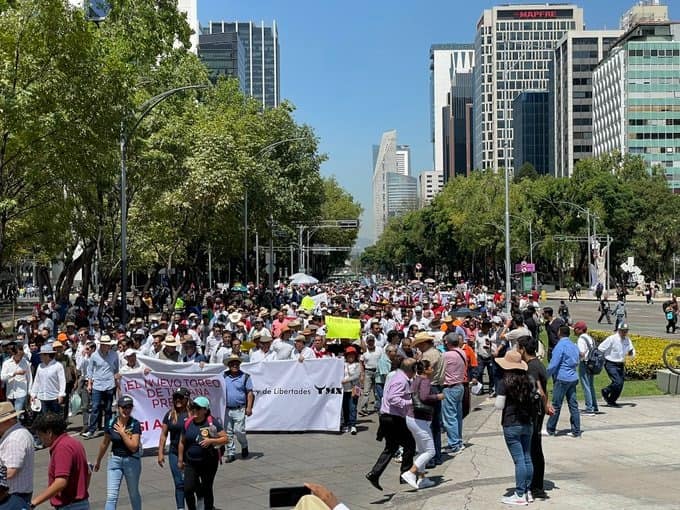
(423, 351)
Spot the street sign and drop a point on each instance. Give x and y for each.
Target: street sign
(419, 266)
(525, 267)
(270, 268)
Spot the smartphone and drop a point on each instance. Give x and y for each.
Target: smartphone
(286, 496)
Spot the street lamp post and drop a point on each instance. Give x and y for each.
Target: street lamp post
(125, 136)
(245, 205)
(529, 223)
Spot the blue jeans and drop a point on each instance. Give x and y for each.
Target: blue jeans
(616, 373)
(452, 415)
(588, 384)
(379, 388)
(518, 441)
(18, 403)
(129, 468)
(349, 409)
(50, 406)
(563, 389)
(436, 427)
(101, 399)
(177, 478)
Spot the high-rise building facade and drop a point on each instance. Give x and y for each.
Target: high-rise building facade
(247, 52)
(531, 127)
(644, 11)
(394, 192)
(403, 159)
(636, 104)
(513, 49)
(576, 56)
(445, 60)
(457, 122)
(429, 183)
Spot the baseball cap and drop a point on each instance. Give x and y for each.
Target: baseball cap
(581, 325)
(201, 402)
(183, 392)
(125, 401)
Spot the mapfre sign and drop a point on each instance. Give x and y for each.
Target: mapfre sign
(535, 14)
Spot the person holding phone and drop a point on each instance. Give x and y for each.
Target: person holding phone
(199, 453)
(123, 433)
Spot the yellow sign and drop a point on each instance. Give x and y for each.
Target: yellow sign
(339, 327)
(308, 304)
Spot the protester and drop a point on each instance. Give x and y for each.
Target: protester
(395, 406)
(123, 432)
(199, 452)
(350, 391)
(9, 501)
(68, 473)
(16, 453)
(514, 399)
(49, 383)
(455, 369)
(173, 424)
(539, 376)
(17, 377)
(586, 344)
(240, 398)
(418, 421)
(616, 349)
(320, 499)
(562, 367)
(101, 383)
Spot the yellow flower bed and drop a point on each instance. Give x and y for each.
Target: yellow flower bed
(648, 354)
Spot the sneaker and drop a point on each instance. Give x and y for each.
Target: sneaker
(397, 459)
(589, 413)
(457, 451)
(425, 483)
(574, 434)
(539, 494)
(87, 435)
(231, 458)
(410, 478)
(514, 499)
(353, 431)
(530, 497)
(345, 430)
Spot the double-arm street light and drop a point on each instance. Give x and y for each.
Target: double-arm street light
(529, 224)
(588, 213)
(262, 152)
(125, 135)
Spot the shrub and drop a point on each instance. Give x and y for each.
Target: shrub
(648, 355)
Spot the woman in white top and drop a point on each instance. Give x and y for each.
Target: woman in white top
(16, 374)
(350, 396)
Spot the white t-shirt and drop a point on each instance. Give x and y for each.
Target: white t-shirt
(585, 342)
(370, 358)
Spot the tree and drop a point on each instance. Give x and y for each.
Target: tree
(526, 171)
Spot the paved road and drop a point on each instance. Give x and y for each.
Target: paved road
(627, 458)
(643, 319)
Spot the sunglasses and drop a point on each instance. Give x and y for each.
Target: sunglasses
(126, 407)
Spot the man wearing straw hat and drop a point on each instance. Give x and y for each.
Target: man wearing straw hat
(101, 382)
(16, 453)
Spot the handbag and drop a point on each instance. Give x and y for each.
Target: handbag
(356, 391)
(421, 410)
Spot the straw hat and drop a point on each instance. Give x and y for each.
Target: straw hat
(421, 338)
(171, 341)
(7, 411)
(512, 361)
(106, 340)
(234, 317)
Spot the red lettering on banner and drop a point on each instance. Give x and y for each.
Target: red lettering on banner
(132, 384)
(535, 14)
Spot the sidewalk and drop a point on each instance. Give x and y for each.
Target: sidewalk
(587, 295)
(627, 458)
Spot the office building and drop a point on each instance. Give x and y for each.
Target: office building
(457, 122)
(403, 159)
(531, 127)
(636, 105)
(393, 191)
(513, 49)
(191, 9)
(429, 183)
(645, 11)
(575, 58)
(244, 51)
(445, 60)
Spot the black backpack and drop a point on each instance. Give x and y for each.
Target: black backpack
(595, 359)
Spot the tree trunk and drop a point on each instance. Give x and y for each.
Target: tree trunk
(70, 270)
(87, 272)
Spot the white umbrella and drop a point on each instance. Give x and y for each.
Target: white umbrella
(293, 276)
(429, 280)
(304, 279)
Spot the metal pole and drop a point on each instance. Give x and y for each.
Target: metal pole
(210, 279)
(292, 272)
(508, 290)
(123, 226)
(606, 284)
(308, 258)
(531, 253)
(257, 259)
(590, 282)
(245, 239)
(271, 252)
(301, 255)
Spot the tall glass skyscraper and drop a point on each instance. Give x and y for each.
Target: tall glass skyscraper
(247, 52)
(636, 103)
(513, 49)
(531, 127)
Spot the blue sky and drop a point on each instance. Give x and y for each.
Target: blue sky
(357, 68)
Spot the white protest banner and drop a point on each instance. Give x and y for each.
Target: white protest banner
(152, 393)
(318, 299)
(294, 396)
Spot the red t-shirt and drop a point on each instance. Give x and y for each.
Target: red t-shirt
(68, 460)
